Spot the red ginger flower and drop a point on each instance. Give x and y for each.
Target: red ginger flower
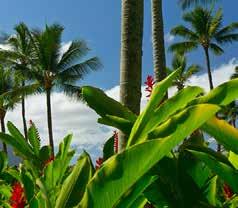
(150, 84)
(116, 141)
(99, 163)
(18, 199)
(228, 193)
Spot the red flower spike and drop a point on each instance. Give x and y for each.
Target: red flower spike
(116, 141)
(31, 122)
(150, 84)
(18, 199)
(99, 163)
(228, 193)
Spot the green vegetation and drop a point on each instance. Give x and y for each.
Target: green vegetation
(164, 159)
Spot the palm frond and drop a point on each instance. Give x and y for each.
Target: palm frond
(72, 91)
(216, 49)
(188, 3)
(216, 22)
(82, 68)
(75, 52)
(227, 29)
(184, 32)
(183, 47)
(193, 69)
(227, 38)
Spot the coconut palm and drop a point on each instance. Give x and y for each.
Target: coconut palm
(10, 94)
(158, 44)
(159, 58)
(180, 61)
(206, 31)
(131, 56)
(59, 69)
(19, 57)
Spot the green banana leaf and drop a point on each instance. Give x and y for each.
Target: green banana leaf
(121, 171)
(74, 186)
(169, 107)
(223, 132)
(222, 95)
(120, 123)
(131, 196)
(225, 171)
(104, 105)
(157, 95)
(108, 148)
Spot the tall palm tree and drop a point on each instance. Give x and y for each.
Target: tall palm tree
(57, 69)
(180, 61)
(158, 43)
(131, 56)
(10, 95)
(19, 57)
(206, 31)
(159, 58)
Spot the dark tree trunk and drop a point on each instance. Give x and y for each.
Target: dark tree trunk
(209, 72)
(24, 113)
(131, 56)
(158, 40)
(49, 117)
(3, 131)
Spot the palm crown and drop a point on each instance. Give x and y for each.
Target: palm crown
(205, 30)
(59, 69)
(55, 67)
(180, 61)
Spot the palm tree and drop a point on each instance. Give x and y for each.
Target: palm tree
(19, 57)
(188, 3)
(206, 31)
(159, 58)
(59, 69)
(180, 61)
(10, 95)
(131, 56)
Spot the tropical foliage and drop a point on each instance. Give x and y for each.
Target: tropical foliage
(206, 31)
(158, 156)
(168, 177)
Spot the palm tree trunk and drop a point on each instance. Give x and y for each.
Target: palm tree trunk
(3, 131)
(24, 113)
(159, 58)
(49, 117)
(131, 56)
(209, 72)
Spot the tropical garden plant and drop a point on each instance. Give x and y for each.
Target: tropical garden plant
(18, 57)
(10, 94)
(186, 72)
(58, 69)
(168, 176)
(205, 30)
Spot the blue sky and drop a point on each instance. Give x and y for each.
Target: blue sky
(98, 22)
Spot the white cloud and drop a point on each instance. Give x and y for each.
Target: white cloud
(168, 38)
(75, 117)
(219, 74)
(5, 47)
